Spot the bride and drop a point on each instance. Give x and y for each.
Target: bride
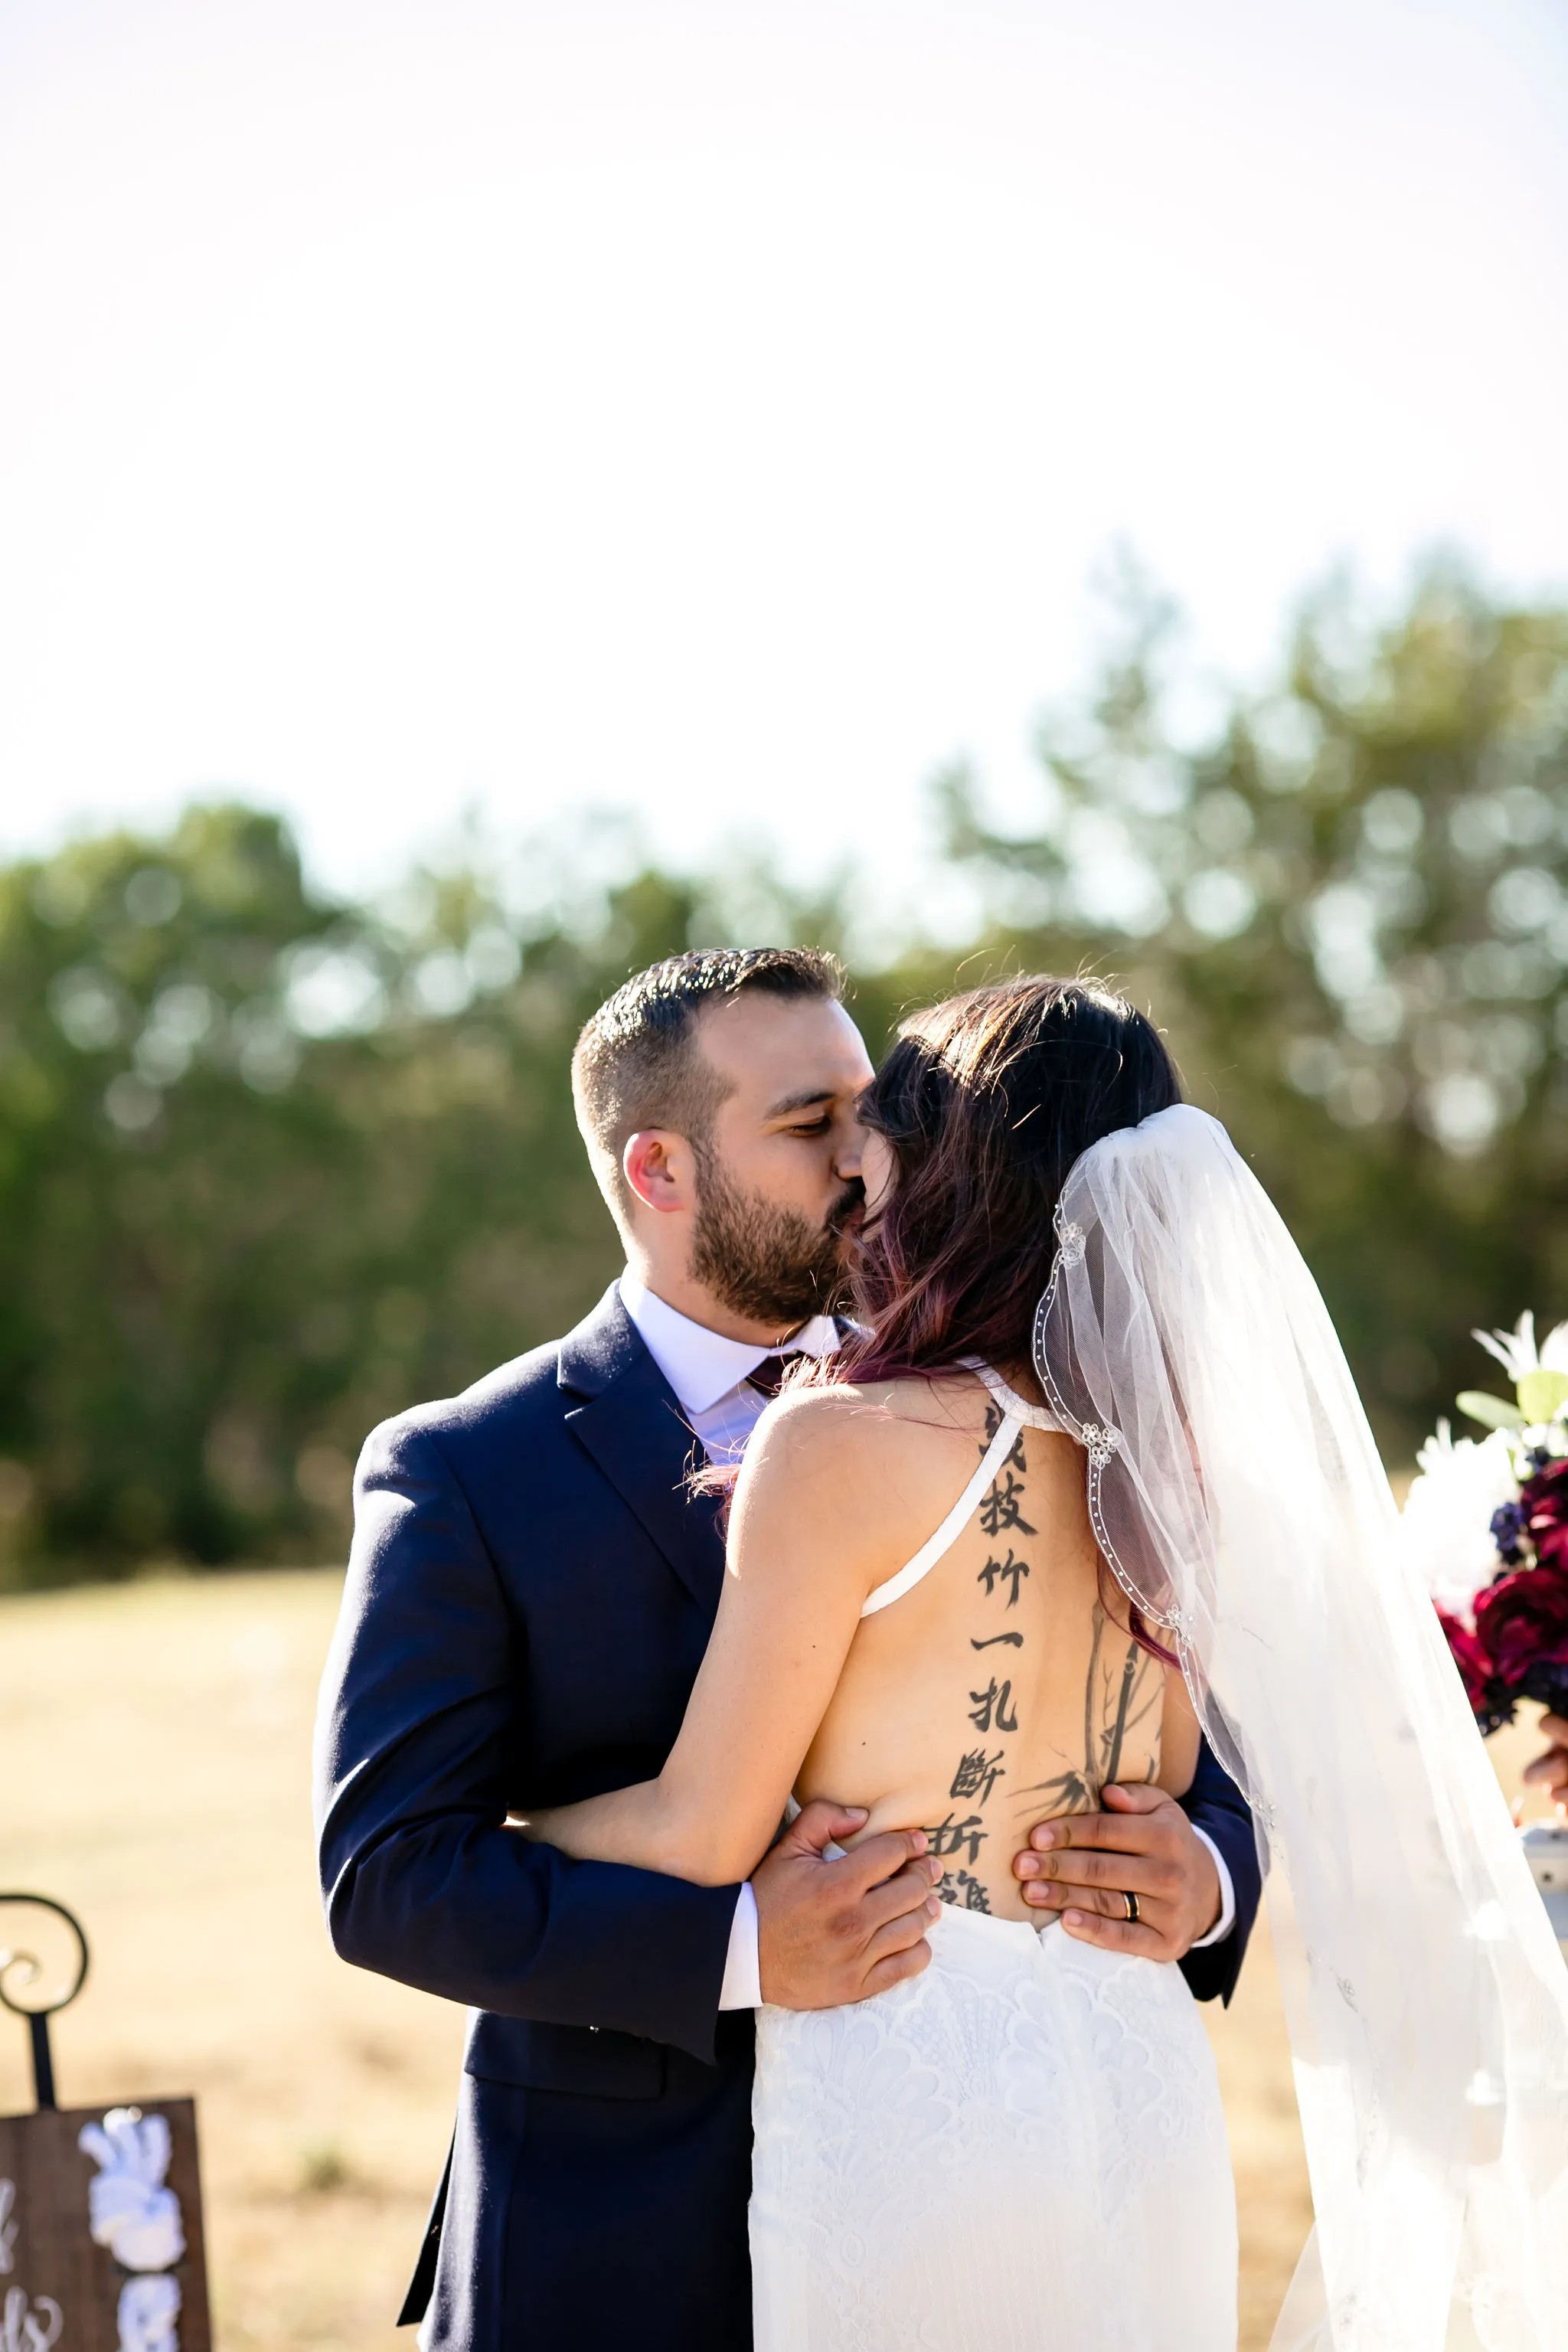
(1090, 1475)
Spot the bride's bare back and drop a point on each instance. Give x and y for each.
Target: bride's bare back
(913, 1622)
(996, 1691)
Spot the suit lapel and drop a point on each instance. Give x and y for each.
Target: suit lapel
(630, 1426)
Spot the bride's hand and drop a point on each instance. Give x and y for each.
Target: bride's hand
(1085, 1864)
(1550, 1771)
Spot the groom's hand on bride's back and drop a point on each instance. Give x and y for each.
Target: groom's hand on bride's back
(1083, 1865)
(830, 1932)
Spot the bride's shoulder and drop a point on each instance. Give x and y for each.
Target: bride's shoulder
(859, 1471)
(855, 1422)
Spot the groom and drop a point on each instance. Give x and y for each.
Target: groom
(532, 1588)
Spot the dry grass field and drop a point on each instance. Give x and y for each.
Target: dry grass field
(154, 1742)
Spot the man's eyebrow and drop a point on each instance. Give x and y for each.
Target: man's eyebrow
(805, 1100)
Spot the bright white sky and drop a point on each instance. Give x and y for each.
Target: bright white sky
(718, 410)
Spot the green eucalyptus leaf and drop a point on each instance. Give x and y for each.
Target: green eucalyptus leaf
(1542, 1394)
(1496, 1412)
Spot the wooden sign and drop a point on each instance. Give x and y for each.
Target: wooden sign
(101, 2232)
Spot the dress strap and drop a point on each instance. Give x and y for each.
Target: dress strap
(1033, 1416)
(953, 1526)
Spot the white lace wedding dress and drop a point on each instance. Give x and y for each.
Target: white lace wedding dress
(1020, 2150)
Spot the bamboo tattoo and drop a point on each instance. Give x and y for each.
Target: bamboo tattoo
(1122, 1689)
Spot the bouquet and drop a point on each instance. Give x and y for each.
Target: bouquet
(1487, 1520)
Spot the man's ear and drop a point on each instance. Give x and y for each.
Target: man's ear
(659, 1170)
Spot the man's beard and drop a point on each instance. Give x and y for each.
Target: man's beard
(768, 1263)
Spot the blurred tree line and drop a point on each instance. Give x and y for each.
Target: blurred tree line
(272, 1166)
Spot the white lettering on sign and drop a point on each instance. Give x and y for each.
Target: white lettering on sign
(27, 2326)
(129, 2208)
(24, 2325)
(149, 2307)
(132, 2212)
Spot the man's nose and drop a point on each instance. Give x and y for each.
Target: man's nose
(851, 1150)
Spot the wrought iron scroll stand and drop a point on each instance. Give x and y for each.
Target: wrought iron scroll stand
(19, 1969)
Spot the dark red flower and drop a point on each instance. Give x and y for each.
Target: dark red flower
(1522, 1622)
(1543, 1502)
(1471, 1657)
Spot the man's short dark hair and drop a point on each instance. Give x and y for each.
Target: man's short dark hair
(636, 1063)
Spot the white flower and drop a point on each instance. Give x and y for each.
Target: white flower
(1446, 1526)
(1516, 1351)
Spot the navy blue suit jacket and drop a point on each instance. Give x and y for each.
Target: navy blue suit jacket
(530, 1592)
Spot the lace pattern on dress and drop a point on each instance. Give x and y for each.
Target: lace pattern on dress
(1027, 2108)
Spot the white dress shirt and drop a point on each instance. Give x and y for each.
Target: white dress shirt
(710, 1377)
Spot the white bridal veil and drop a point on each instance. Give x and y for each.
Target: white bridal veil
(1238, 1497)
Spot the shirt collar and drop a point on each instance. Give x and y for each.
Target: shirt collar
(700, 1365)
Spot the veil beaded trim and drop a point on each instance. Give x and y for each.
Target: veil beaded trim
(1237, 1494)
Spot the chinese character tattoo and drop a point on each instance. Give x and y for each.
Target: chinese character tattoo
(1014, 1460)
(1009, 1572)
(950, 1837)
(993, 1707)
(977, 1775)
(1001, 1508)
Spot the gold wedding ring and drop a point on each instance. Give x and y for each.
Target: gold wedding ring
(1131, 1902)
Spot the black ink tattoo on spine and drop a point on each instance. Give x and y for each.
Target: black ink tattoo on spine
(1001, 1507)
(964, 1893)
(993, 1707)
(977, 1775)
(992, 1710)
(1009, 1572)
(949, 1837)
(1014, 1460)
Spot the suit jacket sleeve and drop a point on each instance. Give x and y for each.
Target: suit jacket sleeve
(1215, 1805)
(418, 1718)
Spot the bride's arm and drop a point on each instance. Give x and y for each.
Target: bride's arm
(803, 1554)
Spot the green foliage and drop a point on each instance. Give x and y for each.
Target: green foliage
(1350, 907)
(1492, 1412)
(273, 1166)
(269, 1170)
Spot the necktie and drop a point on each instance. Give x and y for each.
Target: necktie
(768, 1376)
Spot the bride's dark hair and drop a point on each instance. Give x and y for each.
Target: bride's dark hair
(985, 1101)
